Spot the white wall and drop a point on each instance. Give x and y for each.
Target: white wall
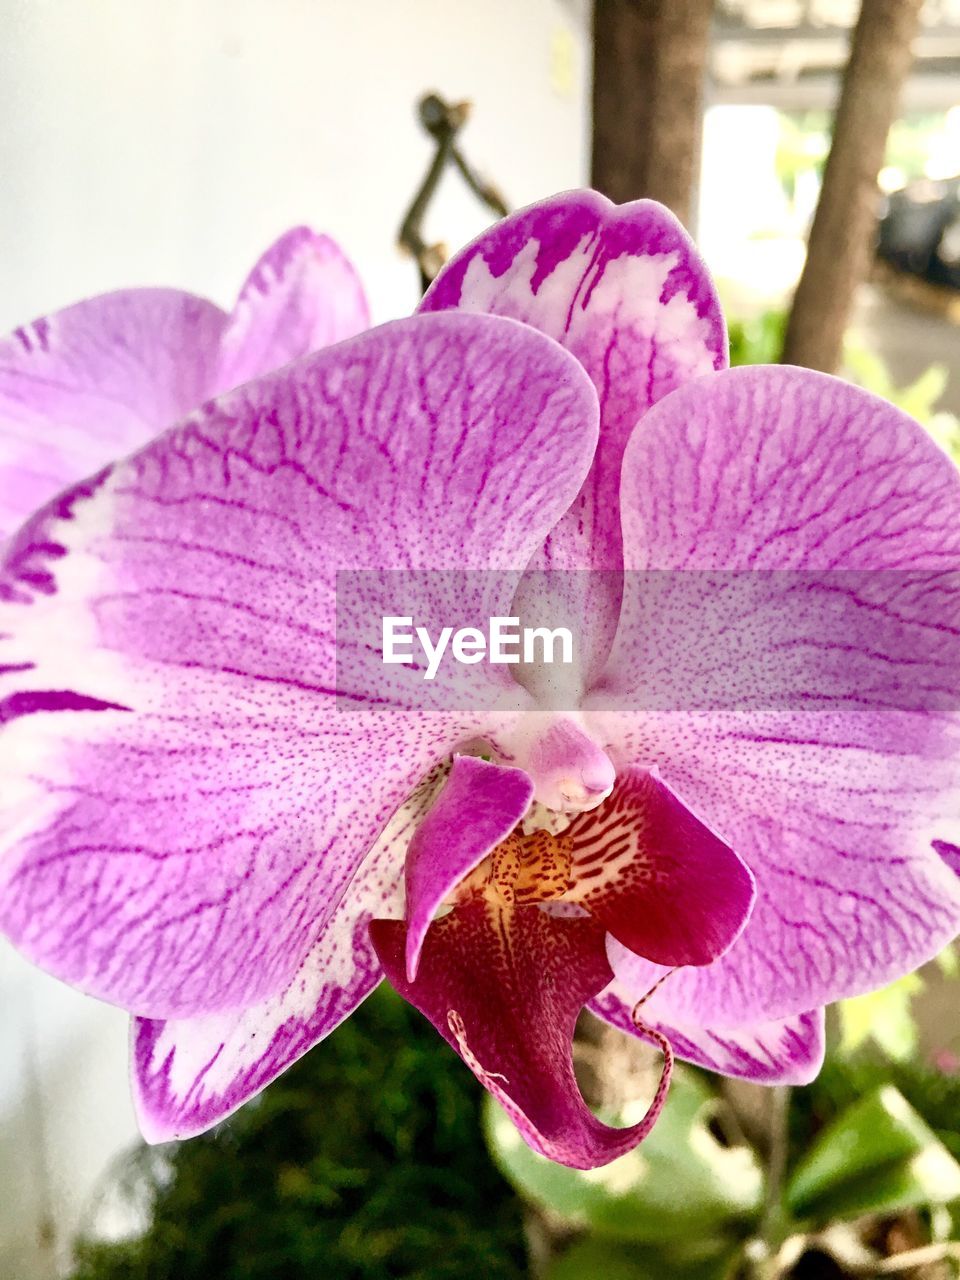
(168, 142)
(64, 1114)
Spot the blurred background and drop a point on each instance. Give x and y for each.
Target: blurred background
(169, 143)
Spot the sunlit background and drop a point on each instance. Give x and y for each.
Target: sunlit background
(170, 143)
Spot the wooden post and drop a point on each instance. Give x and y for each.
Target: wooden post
(841, 238)
(649, 68)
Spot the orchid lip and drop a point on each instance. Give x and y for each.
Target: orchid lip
(503, 977)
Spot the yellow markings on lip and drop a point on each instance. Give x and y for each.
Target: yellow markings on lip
(523, 869)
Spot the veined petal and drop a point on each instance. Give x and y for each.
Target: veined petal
(789, 1051)
(185, 796)
(302, 295)
(789, 657)
(504, 986)
(657, 878)
(190, 1074)
(624, 289)
(479, 806)
(94, 381)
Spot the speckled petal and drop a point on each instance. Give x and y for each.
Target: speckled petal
(789, 657)
(185, 796)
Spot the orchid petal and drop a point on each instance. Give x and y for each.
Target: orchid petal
(479, 806)
(658, 879)
(623, 288)
(94, 381)
(185, 801)
(190, 1074)
(98, 379)
(302, 295)
(789, 1051)
(504, 987)
(788, 656)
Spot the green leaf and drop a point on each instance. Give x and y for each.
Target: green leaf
(878, 1156)
(885, 1016)
(918, 399)
(594, 1258)
(757, 340)
(945, 429)
(680, 1182)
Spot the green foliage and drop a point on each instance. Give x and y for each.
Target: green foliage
(843, 1082)
(802, 146)
(362, 1162)
(918, 399)
(758, 340)
(876, 1157)
(680, 1185)
(598, 1259)
(684, 1203)
(948, 962)
(885, 1016)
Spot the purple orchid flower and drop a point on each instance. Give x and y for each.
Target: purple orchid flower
(99, 379)
(195, 829)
